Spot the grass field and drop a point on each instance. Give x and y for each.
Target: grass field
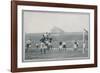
(69, 53)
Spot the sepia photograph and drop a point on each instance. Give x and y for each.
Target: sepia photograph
(50, 35)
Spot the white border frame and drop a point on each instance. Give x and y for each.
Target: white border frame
(21, 64)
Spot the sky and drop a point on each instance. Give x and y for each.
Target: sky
(39, 22)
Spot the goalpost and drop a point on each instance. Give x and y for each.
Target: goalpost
(84, 40)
